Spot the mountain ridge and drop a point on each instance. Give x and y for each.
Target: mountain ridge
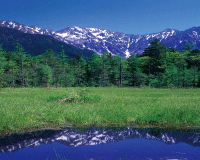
(101, 40)
(37, 44)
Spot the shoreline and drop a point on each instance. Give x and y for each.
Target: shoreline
(85, 127)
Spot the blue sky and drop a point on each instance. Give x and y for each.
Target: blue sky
(126, 16)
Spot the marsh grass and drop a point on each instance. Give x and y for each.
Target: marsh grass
(24, 109)
(78, 96)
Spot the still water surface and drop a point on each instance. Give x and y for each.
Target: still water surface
(102, 143)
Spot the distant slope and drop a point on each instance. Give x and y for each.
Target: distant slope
(36, 44)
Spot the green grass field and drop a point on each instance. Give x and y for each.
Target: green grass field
(24, 109)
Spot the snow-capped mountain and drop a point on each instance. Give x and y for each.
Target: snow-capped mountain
(26, 29)
(95, 136)
(101, 40)
(117, 43)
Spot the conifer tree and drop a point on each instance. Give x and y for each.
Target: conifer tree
(156, 53)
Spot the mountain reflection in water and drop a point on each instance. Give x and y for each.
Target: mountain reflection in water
(76, 138)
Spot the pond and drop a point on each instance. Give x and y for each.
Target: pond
(102, 143)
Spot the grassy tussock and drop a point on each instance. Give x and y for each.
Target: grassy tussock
(24, 109)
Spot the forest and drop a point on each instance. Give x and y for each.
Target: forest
(159, 67)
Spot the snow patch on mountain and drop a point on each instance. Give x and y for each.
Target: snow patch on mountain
(127, 53)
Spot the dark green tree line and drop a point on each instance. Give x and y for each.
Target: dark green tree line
(159, 66)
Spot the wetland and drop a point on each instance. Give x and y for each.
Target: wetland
(99, 123)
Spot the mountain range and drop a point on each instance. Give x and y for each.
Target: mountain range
(101, 40)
